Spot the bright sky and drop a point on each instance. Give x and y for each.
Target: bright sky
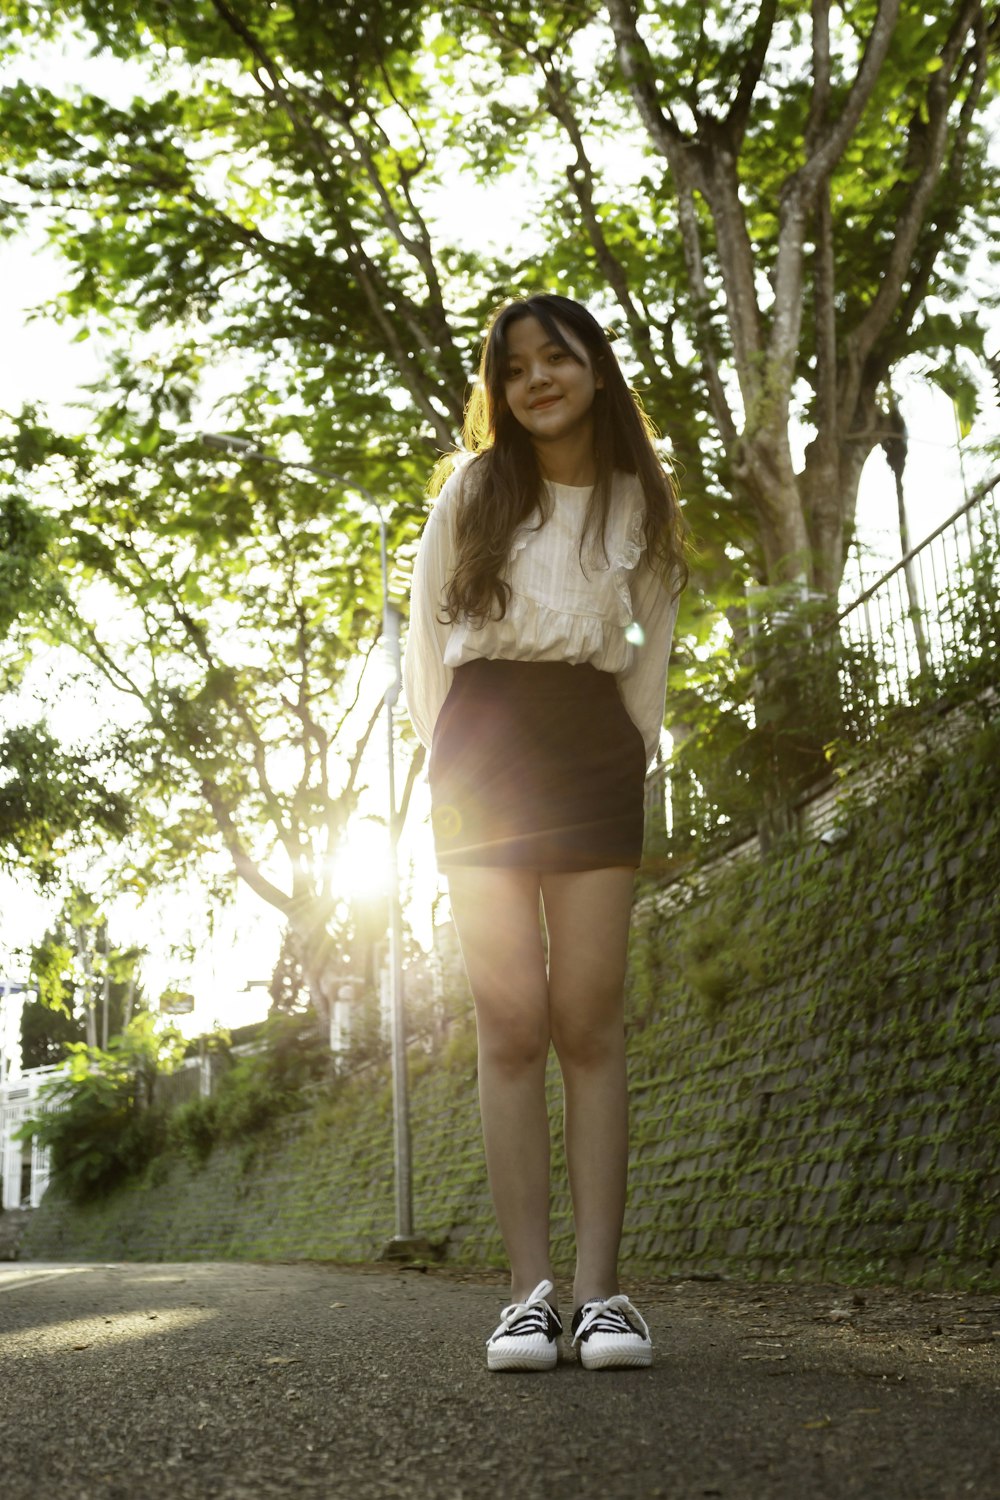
(43, 364)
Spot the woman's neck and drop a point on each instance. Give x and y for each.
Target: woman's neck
(568, 460)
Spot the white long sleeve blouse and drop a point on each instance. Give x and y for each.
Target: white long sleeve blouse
(615, 613)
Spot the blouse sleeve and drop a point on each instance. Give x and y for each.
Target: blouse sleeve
(643, 684)
(426, 679)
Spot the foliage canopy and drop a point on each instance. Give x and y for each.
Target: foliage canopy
(775, 204)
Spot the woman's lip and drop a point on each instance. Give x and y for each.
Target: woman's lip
(549, 401)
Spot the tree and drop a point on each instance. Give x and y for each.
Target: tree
(102, 1128)
(88, 989)
(882, 170)
(52, 795)
(808, 195)
(796, 227)
(247, 608)
(50, 799)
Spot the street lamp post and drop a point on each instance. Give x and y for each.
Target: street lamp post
(403, 1242)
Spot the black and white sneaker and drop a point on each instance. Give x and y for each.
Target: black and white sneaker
(611, 1335)
(526, 1337)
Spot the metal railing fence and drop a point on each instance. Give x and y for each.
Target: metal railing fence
(928, 626)
(933, 615)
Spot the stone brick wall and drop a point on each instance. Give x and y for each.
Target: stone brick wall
(13, 1224)
(815, 1090)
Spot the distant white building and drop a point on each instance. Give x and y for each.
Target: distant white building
(24, 1168)
(12, 997)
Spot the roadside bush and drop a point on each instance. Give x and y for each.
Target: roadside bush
(193, 1129)
(101, 1123)
(256, 1090)
(96, 1120)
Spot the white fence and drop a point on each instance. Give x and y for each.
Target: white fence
(24, 1168)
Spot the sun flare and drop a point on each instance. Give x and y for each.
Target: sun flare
(360, 868)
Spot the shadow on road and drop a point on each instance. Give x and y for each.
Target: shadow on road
(241, 1381)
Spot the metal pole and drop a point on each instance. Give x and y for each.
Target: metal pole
(400, 1093)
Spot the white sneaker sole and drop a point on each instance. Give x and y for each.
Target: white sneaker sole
(616, 1356)
(522, 1354)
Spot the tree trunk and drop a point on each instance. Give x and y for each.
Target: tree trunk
(105, 995)
(129, 1002)
(308, 916)
(89, 1012)
(765, 470)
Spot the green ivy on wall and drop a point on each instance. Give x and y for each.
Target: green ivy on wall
(813, 1048)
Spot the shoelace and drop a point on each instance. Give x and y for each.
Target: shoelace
(533, 1314)
(608, 1316)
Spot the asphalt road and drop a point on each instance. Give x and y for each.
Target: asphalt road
(245, 1381)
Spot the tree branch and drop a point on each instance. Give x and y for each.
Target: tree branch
(640, 75)
(415, 767)
(244, 866)
(830, 144)
(701, 307)
(369, 652)
(269, 77)
(687, 162)
(196, 635)
(820, 100)
(797, 197)
(354, 764)
(750, 75)
(581, 180)
(820, 487)
(931, 141)
(736, 261)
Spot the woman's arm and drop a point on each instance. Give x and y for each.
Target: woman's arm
(643, 685)
(426, 679)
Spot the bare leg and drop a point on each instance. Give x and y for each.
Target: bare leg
(587, 915)
(497, 917)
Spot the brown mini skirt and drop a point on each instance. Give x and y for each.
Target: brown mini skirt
(536, 765)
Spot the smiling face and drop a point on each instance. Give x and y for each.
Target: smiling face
(548, 386)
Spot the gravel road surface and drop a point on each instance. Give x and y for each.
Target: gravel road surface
(245, 1382)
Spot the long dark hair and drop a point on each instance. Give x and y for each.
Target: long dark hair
(503, 487)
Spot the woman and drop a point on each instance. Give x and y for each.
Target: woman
(544, 596)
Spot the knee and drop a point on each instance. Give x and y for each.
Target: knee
(586, 1044)
(512, 1041)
